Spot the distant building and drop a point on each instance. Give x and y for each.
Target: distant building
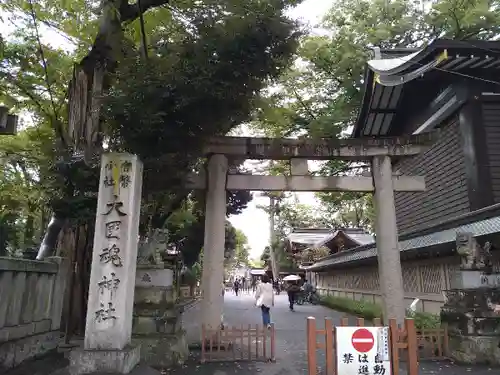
(308, 240)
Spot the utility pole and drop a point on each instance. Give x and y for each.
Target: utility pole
(272, 237)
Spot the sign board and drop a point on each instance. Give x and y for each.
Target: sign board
(363, 351)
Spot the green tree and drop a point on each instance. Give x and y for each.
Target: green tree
(210, 60)
(242, 250)
(289, 214)
(320, 95)
(236, 248)
(198, 75)
(187, 225)
(25, 163)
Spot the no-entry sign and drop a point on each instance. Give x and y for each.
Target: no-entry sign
(362, 350)
(362, 340)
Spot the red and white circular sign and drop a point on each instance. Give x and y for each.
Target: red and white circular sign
(362, 340)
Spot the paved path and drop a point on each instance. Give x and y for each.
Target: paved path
(291, 354)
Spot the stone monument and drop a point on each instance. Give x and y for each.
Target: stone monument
(108, 346)
(157, 324)
(472, 308)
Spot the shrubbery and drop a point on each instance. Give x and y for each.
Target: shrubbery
(369, 310)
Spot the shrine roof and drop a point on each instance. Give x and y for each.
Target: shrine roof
(317, 237)
(398, 85)
(308, 236)
(358, 236)
(482, 223)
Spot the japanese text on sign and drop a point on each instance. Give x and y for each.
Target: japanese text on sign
(364, 365)
(357, 350)
(117, 176)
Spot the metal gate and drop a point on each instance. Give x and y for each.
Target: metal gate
(243, 343)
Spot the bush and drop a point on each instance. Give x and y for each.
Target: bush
(360, 308)
(369, 310)
(425, 320)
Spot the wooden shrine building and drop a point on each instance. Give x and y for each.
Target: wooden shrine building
(451, 86)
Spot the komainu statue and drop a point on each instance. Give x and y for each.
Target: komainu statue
(153, 247)
(472, 255)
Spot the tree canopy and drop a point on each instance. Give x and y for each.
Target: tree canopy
(200, 69)
(196, 72)
(319, 96)
(199, 75)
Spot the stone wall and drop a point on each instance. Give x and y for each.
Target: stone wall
(31, 301)
(424, 279)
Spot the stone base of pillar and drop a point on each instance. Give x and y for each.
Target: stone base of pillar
(163, 350)
(157, 323)
(472, 306)
(475, 349)
(83, 361)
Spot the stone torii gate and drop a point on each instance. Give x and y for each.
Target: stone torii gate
(108, 346)
(378, 152)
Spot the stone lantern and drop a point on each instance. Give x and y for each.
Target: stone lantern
(157, 323)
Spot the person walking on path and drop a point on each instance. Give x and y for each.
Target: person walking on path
(292, 291)
(264, 298)
(236, 286)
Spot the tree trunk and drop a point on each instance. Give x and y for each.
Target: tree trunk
(83, 135)
(50, 238)
(3, 238)
(29, 230)
(75, 304)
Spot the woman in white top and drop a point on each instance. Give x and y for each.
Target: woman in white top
(264, 298)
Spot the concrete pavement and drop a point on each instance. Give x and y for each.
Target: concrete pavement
(291, 353)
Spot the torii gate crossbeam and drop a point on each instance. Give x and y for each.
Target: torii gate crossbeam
(353, 149)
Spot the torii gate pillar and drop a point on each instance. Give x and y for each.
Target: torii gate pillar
(389, 262)
(213, 250)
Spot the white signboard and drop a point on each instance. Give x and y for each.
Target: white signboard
(363, 351)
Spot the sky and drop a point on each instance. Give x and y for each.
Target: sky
(253, 221)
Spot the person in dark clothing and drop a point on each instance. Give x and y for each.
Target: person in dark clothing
(292, 291)
(277, 287)
(236, 286)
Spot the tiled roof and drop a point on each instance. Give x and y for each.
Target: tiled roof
(478, 228)
(359, 236)
(387, 79)
(311, 236)
(308, 236)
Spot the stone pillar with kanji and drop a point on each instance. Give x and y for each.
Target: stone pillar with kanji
(107, 344)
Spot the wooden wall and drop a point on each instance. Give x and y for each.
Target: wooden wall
(446, 194)
(491, 120)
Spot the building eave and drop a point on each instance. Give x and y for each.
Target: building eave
(484, 222)
(387, 79)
